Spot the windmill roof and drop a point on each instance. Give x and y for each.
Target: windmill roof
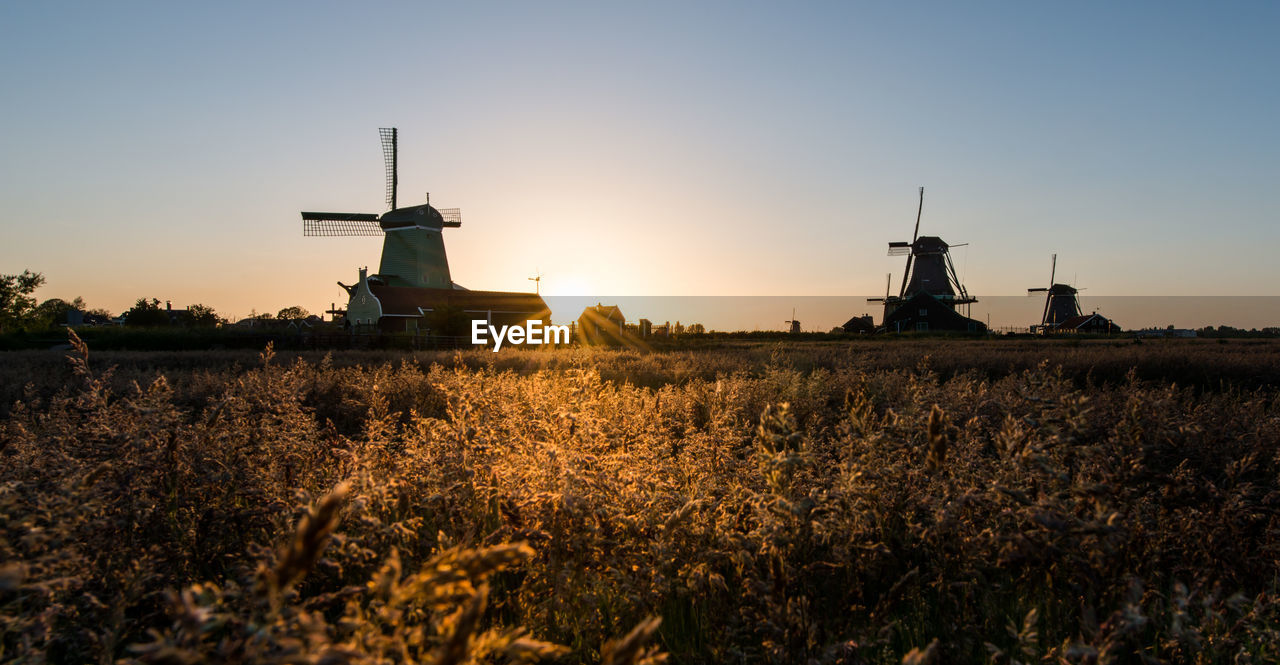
(929, 244)
(610, 312)
(1077, 321)
(411, 300)
(926, 307)
(859, 323)
(420, 215)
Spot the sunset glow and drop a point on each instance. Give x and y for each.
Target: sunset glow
(763, 151)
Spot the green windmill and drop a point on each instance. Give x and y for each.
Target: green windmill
(413, 247)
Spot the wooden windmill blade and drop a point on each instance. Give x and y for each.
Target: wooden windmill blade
(452, 217)
(919, 209)
(332, 224)
(1048, 290)
(336, 224)
(1048, 301)
(390, 154)
(888, 280)
(915, 234)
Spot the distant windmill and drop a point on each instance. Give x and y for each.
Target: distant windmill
(413, 249)
(1060, 303)
(537, 282)
(793, 323)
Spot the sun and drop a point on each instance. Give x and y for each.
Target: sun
(571, 284)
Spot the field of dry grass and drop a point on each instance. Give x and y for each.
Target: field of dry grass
(864, 502)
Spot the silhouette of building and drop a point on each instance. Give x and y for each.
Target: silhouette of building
(924, 312)
(377, 306)
(931, 292)
(1087, 323)
(860, 324)
(602, 324)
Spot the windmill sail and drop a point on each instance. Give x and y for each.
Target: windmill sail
(452, 217)
(340, 224)
(911, 254)
(390, 153)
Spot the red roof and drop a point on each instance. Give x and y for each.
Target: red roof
(412, 301)
(1077, 322)
(610, 312)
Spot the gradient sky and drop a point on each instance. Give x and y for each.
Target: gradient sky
(165, 149)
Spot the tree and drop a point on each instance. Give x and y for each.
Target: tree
(292, 313)
(52, 312)
(17, 307)
(203, 316)
(146, 313)
(57, 312)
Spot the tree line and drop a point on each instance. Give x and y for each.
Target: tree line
(21, 311)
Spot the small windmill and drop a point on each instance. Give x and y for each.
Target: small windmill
(537, 282)
(793, 324)
(1060, 303)
(413, 247)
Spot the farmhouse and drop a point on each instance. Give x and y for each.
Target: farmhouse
(376, 306)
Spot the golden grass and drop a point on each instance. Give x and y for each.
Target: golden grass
(764, 504)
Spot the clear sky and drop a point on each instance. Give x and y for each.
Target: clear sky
(165, 149)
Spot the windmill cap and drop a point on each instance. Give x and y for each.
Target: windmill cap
(421, 215)
(929, 244)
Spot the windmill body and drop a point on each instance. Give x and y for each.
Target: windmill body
(413, 281)
(1061, 303)
(931, 292)
(413, 251)
(929, 270)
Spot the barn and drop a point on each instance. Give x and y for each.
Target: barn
(377, 306)
(1088, 323)
(924, 312)
(602, 324)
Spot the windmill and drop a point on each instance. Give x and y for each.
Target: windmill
(929, 272)
(793, 326)
(1061, 301)
(413, 290)
(537, 282)
(413, 245)
(929, 269)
